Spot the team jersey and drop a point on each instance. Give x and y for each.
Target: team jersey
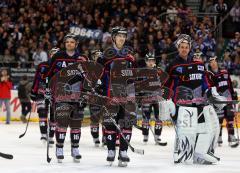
(109, 63)
(39, 83)
(221, 79)
(187, 80)
(61, 60)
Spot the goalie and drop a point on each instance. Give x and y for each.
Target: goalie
(197, 126)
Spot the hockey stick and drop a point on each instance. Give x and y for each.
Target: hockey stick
(6, 156)
(236, 122)
(47, 101)
(48, 129)
(20, 136)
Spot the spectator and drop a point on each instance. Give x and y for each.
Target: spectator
(235, 14)
(39, 56)
(5, 94)
(24, 90)
(221, 7)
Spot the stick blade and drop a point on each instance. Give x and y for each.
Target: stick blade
(20, 136)
(6, 156)
(139, 151)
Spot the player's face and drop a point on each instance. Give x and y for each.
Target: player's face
(4, 72)
(213, 64)
(184, 50)
(151, 63)
(197, 58)
(70, 44)
(120, 40)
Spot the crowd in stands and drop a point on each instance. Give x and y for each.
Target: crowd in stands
(29, 28)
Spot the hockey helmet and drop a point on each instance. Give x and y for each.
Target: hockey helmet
(150, 56)
(183, 38)
(118, 30)
(71, 35)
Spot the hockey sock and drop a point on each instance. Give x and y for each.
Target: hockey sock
(128, 134)
(95, 131)
(110, 139)
(158, 127)
(60, 136)
(75, 135)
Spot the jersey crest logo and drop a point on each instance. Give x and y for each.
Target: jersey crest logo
(64, 64)
(225, 76)
(200, 68)
(179, 69)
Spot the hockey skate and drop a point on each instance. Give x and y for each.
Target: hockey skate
(75, 154)
(44, 138)
(233, 142)
(96, 142)
(204, 159)
(111, 156)
(220, 141)
(158, 141)
(59, 154)
(145, 139)
(123, 159)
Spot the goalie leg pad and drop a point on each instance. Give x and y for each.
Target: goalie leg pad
(186, 127)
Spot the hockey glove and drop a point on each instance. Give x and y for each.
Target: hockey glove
(33, 96)
(214, 97)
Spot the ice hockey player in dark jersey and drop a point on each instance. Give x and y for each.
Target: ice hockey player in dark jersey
(67, 114)
(37, 95)
(95, 110)
(148, 108)
(221, 79)
(117, 53)
(196, 123)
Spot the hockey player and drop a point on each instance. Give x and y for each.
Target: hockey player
(147, 108)
(67, 114)
(196, 123)
(37, 95)
(221, 79)
(119, 36)
(95, 110)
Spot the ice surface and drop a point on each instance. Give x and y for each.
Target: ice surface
(30, 155)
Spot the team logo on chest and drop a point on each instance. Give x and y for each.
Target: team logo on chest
(200, 68)
(64, 64)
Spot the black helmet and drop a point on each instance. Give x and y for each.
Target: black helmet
(183, 38)
(95, 54)
(212, 58)
(197, 54)
(150, 56)
(71, 35)
(118, 30)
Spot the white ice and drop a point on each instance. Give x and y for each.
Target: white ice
(30, 155)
